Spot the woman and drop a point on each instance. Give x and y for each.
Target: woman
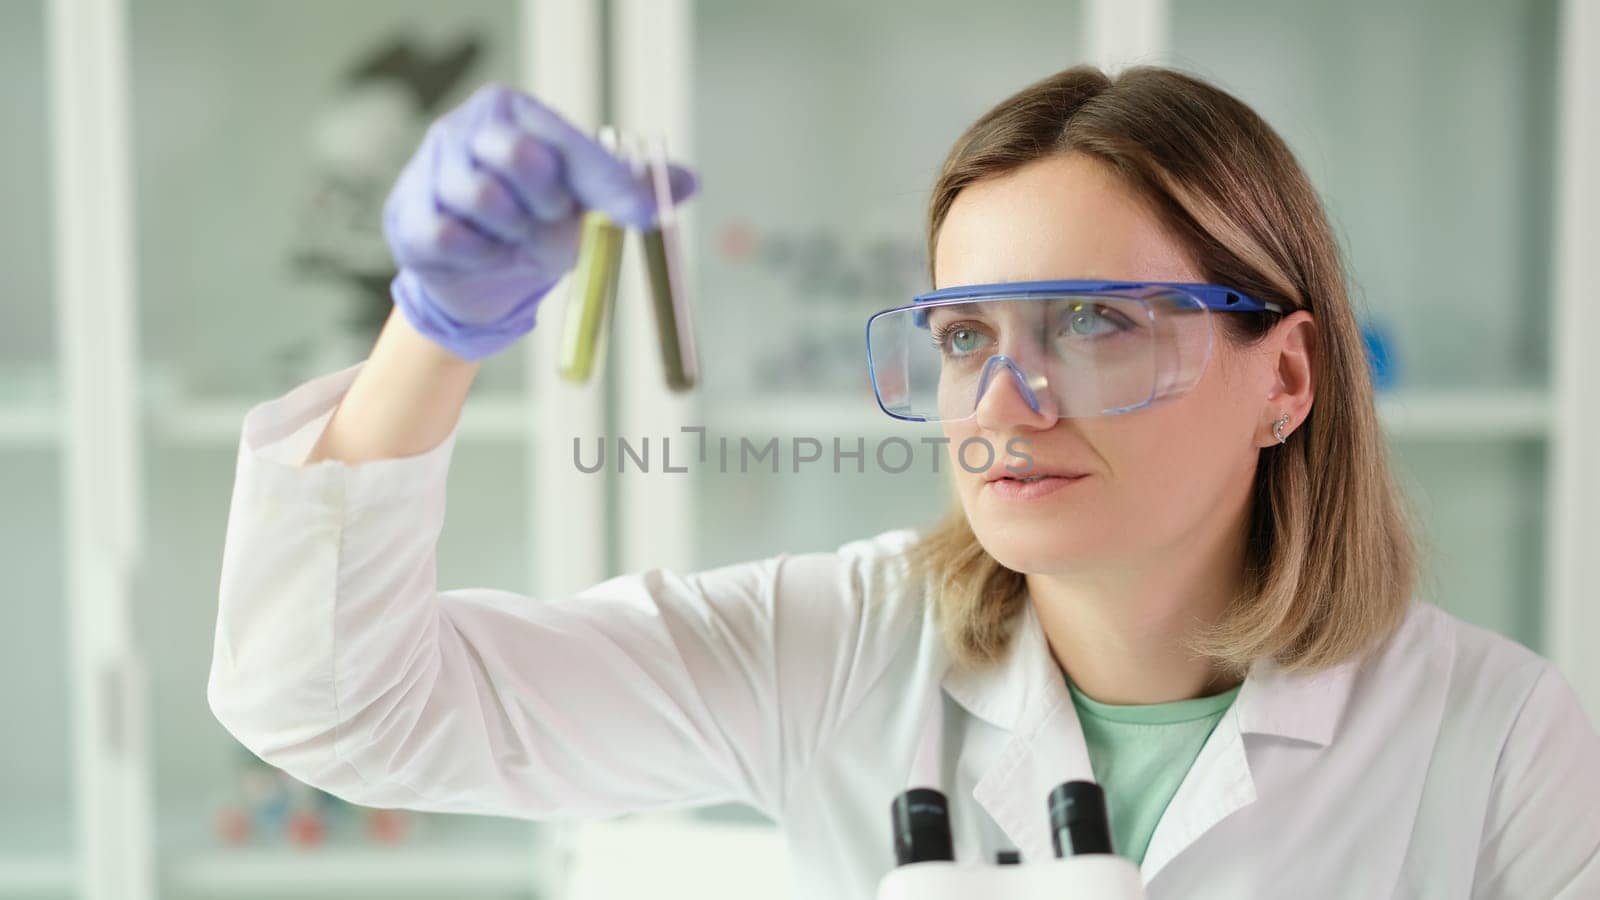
(1207, 606)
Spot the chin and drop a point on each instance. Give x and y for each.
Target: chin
(1041, 546)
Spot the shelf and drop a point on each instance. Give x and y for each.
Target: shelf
(1462, 414)
(23, 426)
(38, 875)
(1406, 415)
(431, 871)
(471, 854)
(218, 422)
(751, 857)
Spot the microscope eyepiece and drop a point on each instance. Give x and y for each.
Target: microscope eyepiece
(1078, 823)
(921, 827)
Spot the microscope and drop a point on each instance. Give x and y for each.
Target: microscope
(1085, 868)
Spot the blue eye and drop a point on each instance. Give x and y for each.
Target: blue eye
(958, 339)
(1090, 320)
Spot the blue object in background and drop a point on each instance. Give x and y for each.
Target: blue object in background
(271, 812)
(1379, 361)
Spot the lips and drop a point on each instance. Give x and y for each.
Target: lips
(1001, 473)
(1017, 490)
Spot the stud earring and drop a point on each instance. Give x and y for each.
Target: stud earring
(1277, 427)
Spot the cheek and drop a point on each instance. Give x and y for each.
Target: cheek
(1178, 461)
(957, 433)
(1154, 458)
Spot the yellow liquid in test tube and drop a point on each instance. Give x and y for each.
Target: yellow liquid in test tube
(594, 291)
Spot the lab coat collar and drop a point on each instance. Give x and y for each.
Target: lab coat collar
(1025, 694)
(1017, 691)
(1301, 706)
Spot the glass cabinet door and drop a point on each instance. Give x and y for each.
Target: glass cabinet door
(266, 137)
(1428, 129)
(818, 130)
(37, 814)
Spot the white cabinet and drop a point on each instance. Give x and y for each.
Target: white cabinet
(1430, 131)
(209, 174)
(265, 136)
(213, 174)
(1446, 140)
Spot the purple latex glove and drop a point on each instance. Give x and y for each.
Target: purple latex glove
(484, 219)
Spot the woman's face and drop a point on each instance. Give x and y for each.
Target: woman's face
(1157, 478)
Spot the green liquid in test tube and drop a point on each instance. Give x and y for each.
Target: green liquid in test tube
(662, 262)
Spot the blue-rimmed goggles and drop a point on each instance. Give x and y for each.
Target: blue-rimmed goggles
(1069, 348)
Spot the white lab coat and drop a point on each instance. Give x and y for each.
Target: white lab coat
(1452, 764)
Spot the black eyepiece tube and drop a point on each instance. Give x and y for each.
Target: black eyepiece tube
(1078, 823)
(921, 827)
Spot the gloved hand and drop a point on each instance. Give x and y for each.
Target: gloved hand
(484, 219)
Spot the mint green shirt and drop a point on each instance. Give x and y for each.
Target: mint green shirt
(1140, 755)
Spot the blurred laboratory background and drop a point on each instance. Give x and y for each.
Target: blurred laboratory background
(192, 192)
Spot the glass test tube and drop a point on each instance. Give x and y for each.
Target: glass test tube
(664, 265)
(593, 291)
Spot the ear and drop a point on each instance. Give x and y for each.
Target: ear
(1290, 349)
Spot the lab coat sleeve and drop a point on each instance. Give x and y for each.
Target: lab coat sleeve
(1542, 832)
(338, 659)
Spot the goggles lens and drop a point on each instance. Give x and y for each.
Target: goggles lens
(1067, 355)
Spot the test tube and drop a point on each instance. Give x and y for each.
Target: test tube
(663, 262)
(593, 290)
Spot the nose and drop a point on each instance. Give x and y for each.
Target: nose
(1008, 397)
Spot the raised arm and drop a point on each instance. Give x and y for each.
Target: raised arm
(407, 398)
(338, 660)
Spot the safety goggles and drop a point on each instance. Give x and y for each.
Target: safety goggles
(1071, 348)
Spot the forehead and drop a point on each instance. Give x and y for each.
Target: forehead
(1064, 216)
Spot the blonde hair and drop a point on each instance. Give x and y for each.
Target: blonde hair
(1331, 559)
